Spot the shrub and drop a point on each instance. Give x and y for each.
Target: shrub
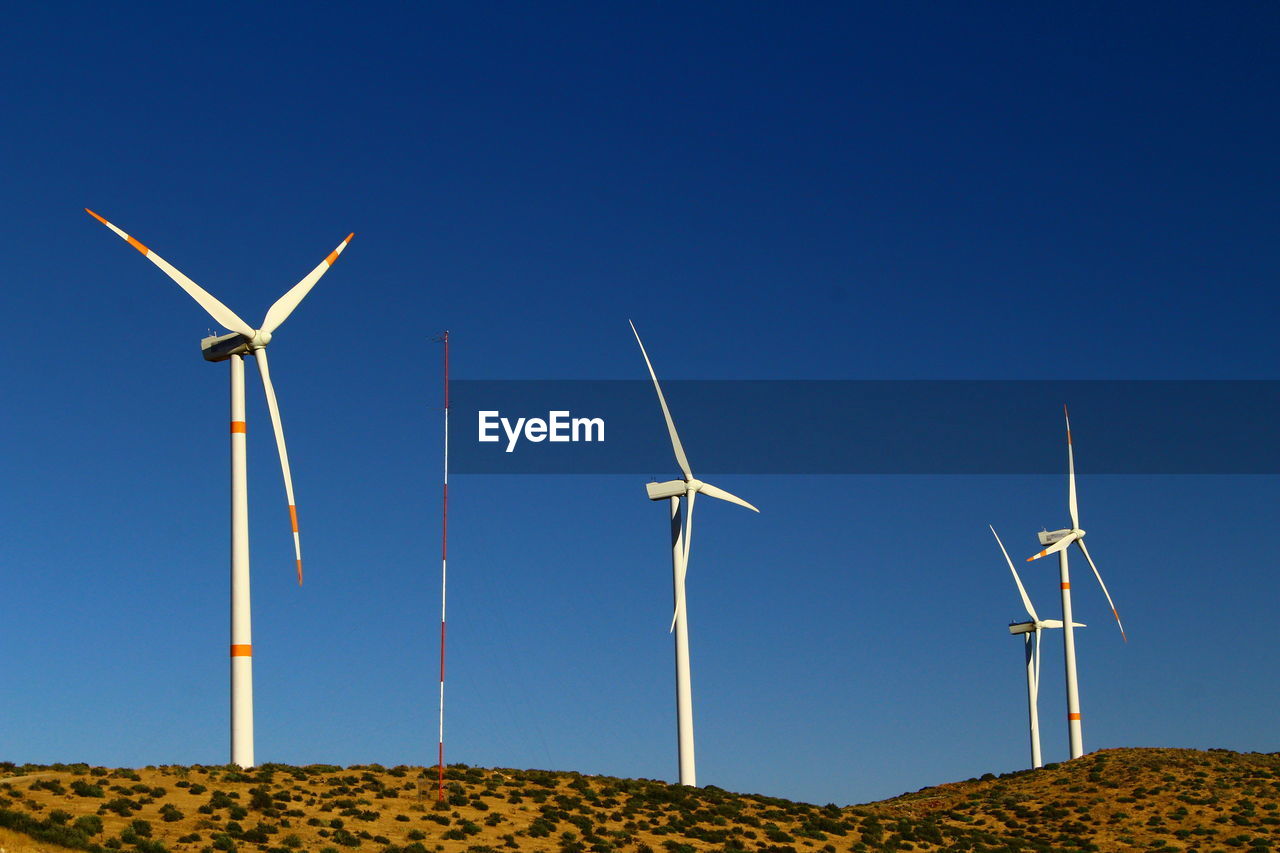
(345, 838)
(122, 806)
(84, 789)
(88, 824)
(51, 785)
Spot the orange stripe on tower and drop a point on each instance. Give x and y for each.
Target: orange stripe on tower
(1066, 586)
(1073, 716)
(135, 244)
(237, 426)
(239, 650)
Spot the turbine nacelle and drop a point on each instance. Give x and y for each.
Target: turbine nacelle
(664, 491)
(690, 487)
(1030, 627)
(222, 347)
(1050, 537)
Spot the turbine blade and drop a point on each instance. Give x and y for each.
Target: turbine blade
(1026, 599)
(265, 373)
(1071, 474)
(224, 315)
(1055, 547)
(681, 459)
(1052, 623)
(1098, 575)
(684, 560)
(1037, 665)
(713, 492)
(284, 306)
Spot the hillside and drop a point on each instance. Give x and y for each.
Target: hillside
(1115, 800)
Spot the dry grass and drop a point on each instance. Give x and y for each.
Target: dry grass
(1115, 800)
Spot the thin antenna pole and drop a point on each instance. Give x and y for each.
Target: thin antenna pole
(444, 557)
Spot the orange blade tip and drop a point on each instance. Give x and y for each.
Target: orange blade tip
(95, 216)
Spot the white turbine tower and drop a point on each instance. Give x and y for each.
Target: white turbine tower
(1030, 632)
(681, 536)
(233, 347)
(1058, 542)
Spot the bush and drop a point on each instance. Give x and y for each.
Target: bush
(141, 827)
(88, 824)
(122, 806)
(345, 838)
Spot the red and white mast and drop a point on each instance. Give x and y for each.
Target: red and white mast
(444, 557)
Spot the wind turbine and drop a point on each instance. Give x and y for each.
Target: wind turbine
(1058, 542)
(1030, 632)
(681, 535)
(232, 347)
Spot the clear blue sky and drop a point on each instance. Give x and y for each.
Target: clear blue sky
(771, 191)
